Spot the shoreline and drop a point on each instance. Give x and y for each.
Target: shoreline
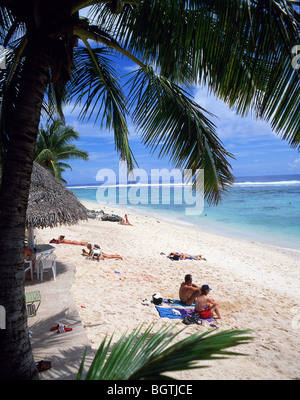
(290, 251)
(257, 288)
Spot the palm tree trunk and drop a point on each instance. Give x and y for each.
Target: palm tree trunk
(16, 359)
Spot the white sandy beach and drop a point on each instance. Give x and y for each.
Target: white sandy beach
(256, 285)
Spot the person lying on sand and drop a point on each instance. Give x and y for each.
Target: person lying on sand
(125, 221)
(61, 239)
(182, 256)
(97, 253)
(204, 305)
(188, 291)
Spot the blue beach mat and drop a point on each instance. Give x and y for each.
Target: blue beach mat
(166, 312)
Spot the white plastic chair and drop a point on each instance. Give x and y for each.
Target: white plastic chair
(47, 261)
(29, 263)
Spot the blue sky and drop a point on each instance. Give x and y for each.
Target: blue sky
(257, 150)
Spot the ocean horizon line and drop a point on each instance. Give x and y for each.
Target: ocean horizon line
(243, 180)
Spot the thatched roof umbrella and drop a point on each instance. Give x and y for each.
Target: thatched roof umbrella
(50, 204)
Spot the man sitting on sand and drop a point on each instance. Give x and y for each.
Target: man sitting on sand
(62, 239)
(188, 291)
(97, 253)
(182, 256)
(204, 305)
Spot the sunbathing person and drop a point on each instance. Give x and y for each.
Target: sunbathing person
(62, 239)
(188, 291)
(125, 222)
(183, 256)
(206, 306)
(97, 253)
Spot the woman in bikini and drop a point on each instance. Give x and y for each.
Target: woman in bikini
(97, 253)
(182, 256)
(204, 305)
(62, 239)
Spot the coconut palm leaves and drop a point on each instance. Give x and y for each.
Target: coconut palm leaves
(95, 88)
(240, 49)
(171, 121)
(54, 146)
(150, 355)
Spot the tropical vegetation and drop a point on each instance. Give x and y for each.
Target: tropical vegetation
(239, 49)
(148, 355)
(54, 145)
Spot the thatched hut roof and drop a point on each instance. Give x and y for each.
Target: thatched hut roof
(50, 204)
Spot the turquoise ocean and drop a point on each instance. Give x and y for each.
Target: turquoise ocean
(264, 209)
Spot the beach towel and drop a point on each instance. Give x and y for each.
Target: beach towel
(187, 315)
(167, 312)
(180, 303)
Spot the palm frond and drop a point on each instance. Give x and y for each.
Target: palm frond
(43, 155)
(7, 18)
(10, 81)
(170, 120)
(94, 85)
(150, 355)
(240, 49)
(71, 152)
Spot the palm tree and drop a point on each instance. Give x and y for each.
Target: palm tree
(240, 49)
(53, 145)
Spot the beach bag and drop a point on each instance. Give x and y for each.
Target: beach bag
(157, 299)
(192, 319)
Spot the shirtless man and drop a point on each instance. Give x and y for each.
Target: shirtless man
(188, 291)
(206, 306)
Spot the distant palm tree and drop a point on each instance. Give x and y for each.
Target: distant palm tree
(54, 145)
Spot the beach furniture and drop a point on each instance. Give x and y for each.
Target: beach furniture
(28, 267)
(46, 261)
(33, 301)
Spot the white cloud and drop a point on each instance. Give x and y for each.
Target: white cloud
(295, 164)
(229, 124)
(94, 156)
(131, 68)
